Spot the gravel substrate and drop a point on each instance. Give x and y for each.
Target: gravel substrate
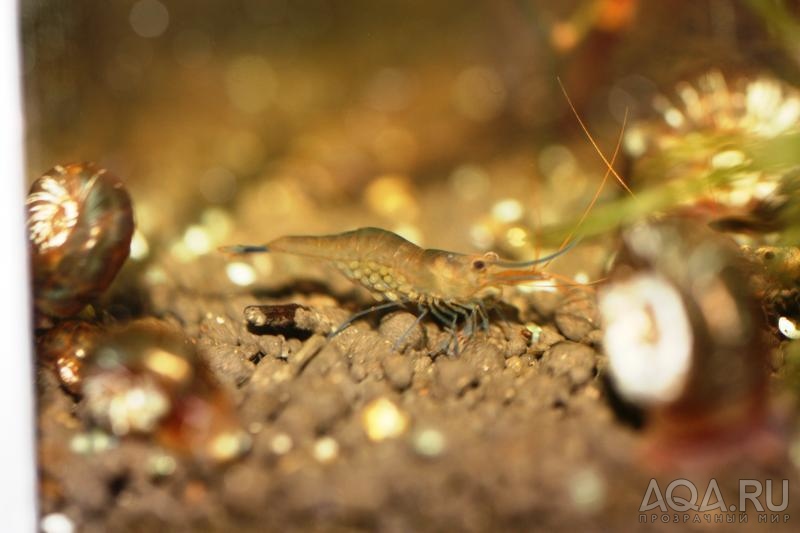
(516, 432)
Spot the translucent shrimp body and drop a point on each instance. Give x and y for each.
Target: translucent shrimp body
(384, 263)
(448, 285)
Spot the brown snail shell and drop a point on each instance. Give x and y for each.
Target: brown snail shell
(80, 223)
(64, 349)
(685, 337)
(146, 378)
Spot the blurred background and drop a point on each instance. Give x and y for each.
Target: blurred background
(443, 121)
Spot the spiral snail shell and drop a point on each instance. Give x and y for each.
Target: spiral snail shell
(147, 378)
(80, 224)
(685, 338)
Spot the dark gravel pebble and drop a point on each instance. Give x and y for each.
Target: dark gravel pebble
(396, 325)
(272, 316)
(517, 344)
(548, 336)
(231, 365)
(455, 375)
(578, 316)
(485, 358)
(573, 360)
(399, 371)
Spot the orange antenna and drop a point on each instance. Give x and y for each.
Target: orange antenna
(609, 166)
(602, 184)
(567, 281)
(559, 281)
(591, 140)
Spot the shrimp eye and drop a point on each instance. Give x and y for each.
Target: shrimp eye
(478, 264)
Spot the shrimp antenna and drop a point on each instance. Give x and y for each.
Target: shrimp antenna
(602, 183)
(523, 264)
(609, 164)
(239, 249)
(591, 139)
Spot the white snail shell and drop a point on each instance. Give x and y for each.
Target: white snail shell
(648, 338)
(684, 329)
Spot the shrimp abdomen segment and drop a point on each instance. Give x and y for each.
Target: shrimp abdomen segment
(381, 261)
(372, 243)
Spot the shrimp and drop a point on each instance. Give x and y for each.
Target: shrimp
(450, 286)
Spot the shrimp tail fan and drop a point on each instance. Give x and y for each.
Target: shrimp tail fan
(239, 249)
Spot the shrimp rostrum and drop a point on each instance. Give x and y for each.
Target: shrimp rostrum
(456, 289)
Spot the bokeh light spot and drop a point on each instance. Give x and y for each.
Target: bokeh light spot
(149, 18)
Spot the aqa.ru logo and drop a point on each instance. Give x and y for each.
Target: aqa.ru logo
(750, 490)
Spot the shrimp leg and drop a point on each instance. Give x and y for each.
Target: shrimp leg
(465, 312)
(473, 318)
(401, 338)
(484, 317)
(344, 325)
(444, 317)
(469, 326)
(441, 307)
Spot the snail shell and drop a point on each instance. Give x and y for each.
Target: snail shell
(685, 336)
(64, 349)
(146, 378)
(80, 224)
